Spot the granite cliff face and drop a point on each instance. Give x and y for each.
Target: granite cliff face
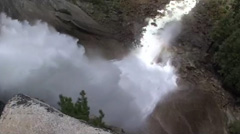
(25, 115)
(61, 14)
(65, 17)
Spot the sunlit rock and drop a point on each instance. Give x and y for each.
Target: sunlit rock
(25, 115)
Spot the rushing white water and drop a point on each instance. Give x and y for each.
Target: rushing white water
(156, 38)
(38, 61)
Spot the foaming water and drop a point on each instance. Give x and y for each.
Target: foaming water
(159, 32)
(38, 61)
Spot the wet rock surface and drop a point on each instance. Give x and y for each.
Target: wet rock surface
(194, 62)
(188, 111)
(25, 115)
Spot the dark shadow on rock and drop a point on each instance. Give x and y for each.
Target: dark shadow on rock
(2, 105)
(189, 111)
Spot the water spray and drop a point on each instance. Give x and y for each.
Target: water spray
(39, 61)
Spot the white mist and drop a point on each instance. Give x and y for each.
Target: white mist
(38, 61)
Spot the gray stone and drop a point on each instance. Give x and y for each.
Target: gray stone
(25, 115)
(68, 18)
(59, 13)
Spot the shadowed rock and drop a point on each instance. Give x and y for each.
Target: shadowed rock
(59, 13)
(2, 105)
(65, 17)
(186, 112)
(25, 115)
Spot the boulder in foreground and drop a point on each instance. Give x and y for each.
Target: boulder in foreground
(25, 115)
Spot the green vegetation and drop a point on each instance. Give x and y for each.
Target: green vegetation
(234, 128)
(98, 122)
(218, 8)
(80, 110)
(227, 48)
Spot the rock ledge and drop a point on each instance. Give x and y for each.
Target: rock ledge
(26, 115)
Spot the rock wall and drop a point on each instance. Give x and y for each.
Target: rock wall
(195, 60)
(65, 17)
(59, 13)
(25, 115)
(189, 111)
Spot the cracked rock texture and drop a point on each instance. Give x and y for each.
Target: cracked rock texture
(59, 13)
(55, 12)
(68, 18)
(25, 115)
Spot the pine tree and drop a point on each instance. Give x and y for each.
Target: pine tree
(67, 107)
(80, 110)
(227, 48)
(228, 58)
(98, 121)
(81, 107)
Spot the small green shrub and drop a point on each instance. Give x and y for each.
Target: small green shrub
(234, 128)
(98, 121)
(80, 110)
